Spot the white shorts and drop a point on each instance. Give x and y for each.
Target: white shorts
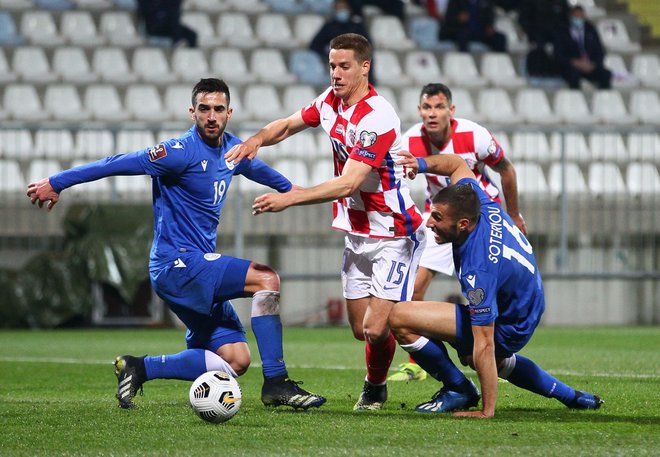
(437, 257)
(382, 267)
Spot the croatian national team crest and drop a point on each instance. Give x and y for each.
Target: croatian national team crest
(368, 139)
(157, 152)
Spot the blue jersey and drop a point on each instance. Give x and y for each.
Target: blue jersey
(190, 183)
(497, 270)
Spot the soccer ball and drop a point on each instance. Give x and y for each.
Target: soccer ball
(215, 396)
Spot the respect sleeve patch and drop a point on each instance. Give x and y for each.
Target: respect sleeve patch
(157, 152)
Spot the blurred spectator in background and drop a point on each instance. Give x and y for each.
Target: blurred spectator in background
(579, 52)
(541, 19)
(472, 20)
(390, 7)
(344, 20)
(162, 18)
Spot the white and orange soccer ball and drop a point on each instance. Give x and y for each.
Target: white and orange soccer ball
(215, 396)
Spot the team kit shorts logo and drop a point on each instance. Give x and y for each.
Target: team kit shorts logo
(157, 152)
(368, 139)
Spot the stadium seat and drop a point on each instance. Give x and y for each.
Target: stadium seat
(621, 77)
(608, 147)
(575, 147)
(531, 179)
(144, 103)
(133, 188)
(55, 144)
(95, 5)
(22, 102)
(571, 107)
(39, 28)
(248, 6)
(152, 66)
(408, 111)
(54, 5)
(78, 29)
(112, 66)
(645, 105)
(306, 65)
(464, 104)
(319, 6)
(190, 64)
(460, 69)
(235, 30)
(177, 101)
(201, 23)
(230, 64)
(297, 96)
(294, 169)
(531, 147)
(592, 10)
(644, 147)
(322, 170)
(425, 31)
(388, 70)
(16, 144)
(71, 64)
(609, 108)
(9, 35)
(495, 105)
(31, 65)
(274, 31)
(287, 6)
(103, 103)
(42, 168)
(499, 71)
(134, 140)
(62, 103)
(605, 179)
(302, 146)
(387, 33)
(17, 5)
(269, 66)
(575, 183)
(119, 29)
(262, 102)
(208, 6)
(614, 36)
(11, 177)
(646, 67)
(305, 27)
(6, 74)
(503, 140)
(643, 180)
(94, 144)
(422, 67)
(534, 107)
(516, 40)
(239, 114)
(389, 95)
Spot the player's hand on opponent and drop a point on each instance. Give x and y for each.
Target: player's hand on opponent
(410, 164)
(520, 222)
(273, 203)
(246, 149)
(41, 192)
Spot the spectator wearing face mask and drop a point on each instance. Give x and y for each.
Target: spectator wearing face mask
(579, 52)
(343, 20)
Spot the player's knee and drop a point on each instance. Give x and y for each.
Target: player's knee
(265, 277)
(376, 335)
(358, 331)
(241, 366)
(395, 318)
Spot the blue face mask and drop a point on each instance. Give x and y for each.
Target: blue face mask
(577, 22)
(342, 16)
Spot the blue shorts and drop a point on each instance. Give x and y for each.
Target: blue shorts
(197, 287)
(509, 339)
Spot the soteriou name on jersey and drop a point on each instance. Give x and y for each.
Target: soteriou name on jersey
(495, 244)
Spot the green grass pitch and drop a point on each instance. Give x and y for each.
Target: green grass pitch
(57, 398)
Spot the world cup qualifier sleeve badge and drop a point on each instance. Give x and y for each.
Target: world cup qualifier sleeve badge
(157, 152)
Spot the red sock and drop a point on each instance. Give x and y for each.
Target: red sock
(379, 358)
(411, 360)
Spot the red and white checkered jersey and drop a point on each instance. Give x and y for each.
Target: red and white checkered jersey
(469, 140)
(370, 132)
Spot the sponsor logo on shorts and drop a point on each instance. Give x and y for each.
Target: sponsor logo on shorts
(476, 296)
(212, 256)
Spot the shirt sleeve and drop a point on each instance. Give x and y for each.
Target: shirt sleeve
(487, 148)
(311, 113)
(480, 289)
(163, 160)
(260, 172)
(375, 135)
(122, 164)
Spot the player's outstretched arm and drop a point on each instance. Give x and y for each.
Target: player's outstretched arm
(272, 133)
(509, 180)
(442, 164)
(41, 192)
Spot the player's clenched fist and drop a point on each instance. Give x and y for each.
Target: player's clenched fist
(41, 192)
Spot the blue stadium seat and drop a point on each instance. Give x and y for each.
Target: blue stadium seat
(319, 6)
(55, 5)
(288, 6)
(8, 33)
(425, 32)
(307, 67)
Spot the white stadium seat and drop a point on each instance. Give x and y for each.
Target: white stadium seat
(605, 178)
(134, 140)
(143, 102)
(305, 27)
(465, 106)
(11, 178)
(575, 183)
(303, 146)
(54, 144)
(230, 65)
(460, 69)
(387, 33)
(40, 29)
(16, 144)
(119, 29)
(534, 107)
(274, 31)
(530, 178)
(496, 106)
(42, 168)
(643, 179)
(322, 170)
(71, 64)
(646, 67)
(62, 103)
(387, 68)
(31, 65)
(308, 68)
(201, 23)
(576, 147)
(22, 102)
(262, 102)
(422, 67)
(152, 66)
(178, 98)
(409, 105)
(7, 75)
(571, 107)
(208, 6)
(516, 40)
(297, 96)
(295, 170)
(621, 77)
(102, 101)
(94, 144)
(388, 94)
(498, 69)
(644, 146)
(133, 188)
(532, 147)
(78, 29)
(269, 66)
(609, 108)
(608, 147)
(112, 66)
(190, 64)
(235, 30)
(645, 105)
(614, 36)
(248, 6)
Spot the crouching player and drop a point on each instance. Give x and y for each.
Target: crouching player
(499, 277)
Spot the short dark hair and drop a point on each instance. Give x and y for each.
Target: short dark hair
(355, 42)
(435, 89)
(209, 85)
(462, 199)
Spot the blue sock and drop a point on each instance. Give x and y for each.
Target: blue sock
(529, 376)
(268, 332)
(187, 365)
(434, 359)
